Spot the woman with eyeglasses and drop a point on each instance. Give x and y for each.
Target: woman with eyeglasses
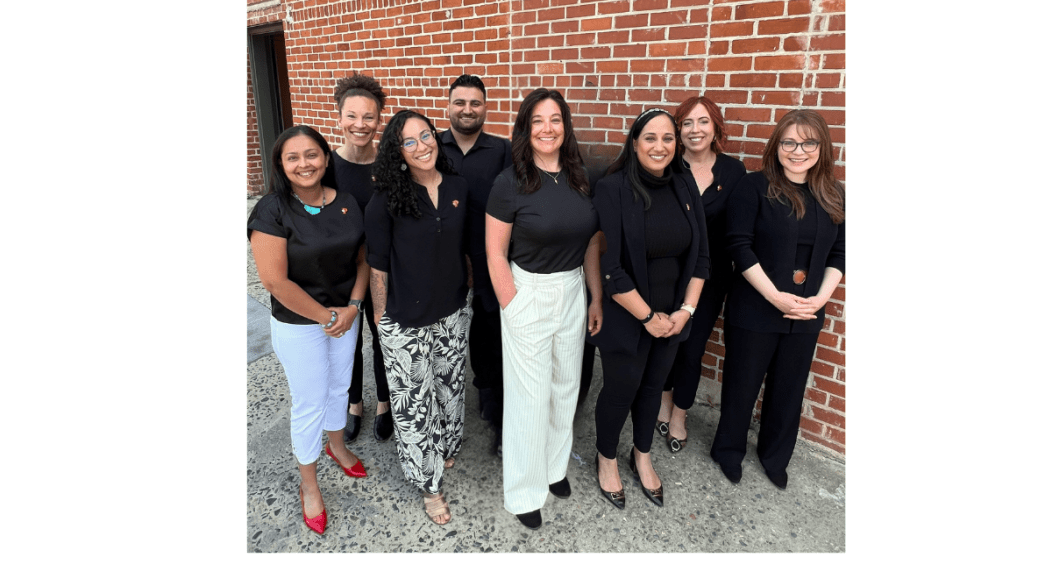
(785, 235)
(701, 139)
(542, 249)
(359, 101)
(307, 243)
(654, 269)
(416, 228)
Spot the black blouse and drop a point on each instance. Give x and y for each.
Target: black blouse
(423, 257)
(551, 227)
(356, 179)
(322, 249)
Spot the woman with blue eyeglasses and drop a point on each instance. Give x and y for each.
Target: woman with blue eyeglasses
(416, 231)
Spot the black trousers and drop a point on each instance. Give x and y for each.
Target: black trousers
(785, 359)
(354, 393)
(632, 383)
(685, 375)
(484, 350)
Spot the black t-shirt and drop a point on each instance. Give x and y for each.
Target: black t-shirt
(483, 162)
(322, 249)
(357, 179)
(551, 227)
(423, 257)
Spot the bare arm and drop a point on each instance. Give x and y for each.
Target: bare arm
(680, 316)
(378, 287)
(271, 259)
(787, 303)
(594, 284)
(498, 239)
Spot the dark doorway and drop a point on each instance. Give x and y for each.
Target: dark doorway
(270, 86)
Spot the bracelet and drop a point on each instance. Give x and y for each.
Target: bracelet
(688, 309)
(647, 318)
(332, 320)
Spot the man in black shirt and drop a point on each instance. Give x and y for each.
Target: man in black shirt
(479, 157)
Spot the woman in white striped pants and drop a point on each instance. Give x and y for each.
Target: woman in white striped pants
(542, 244)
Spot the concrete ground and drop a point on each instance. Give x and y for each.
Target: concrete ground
(703, 511)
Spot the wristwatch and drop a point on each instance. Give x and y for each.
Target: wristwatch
(356, 304)
(688, 309)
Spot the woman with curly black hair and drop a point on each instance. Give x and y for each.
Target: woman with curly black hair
(416, 228)
(359, 101)
(542, 246)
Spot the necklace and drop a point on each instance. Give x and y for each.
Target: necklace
(312, 210)
(555, 178)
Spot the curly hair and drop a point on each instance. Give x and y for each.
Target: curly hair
(526, 173)
(719, 134)
(628, 160)
(279, 181)
(358, 85)
(387, 169)
(827, 190)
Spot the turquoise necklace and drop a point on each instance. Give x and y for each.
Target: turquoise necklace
(312, 210)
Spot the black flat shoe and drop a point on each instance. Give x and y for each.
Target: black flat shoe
(780, 480)
(383, 426)
(655, 495)
(675, 444)
(616, 497)
(531, 520)
(561, 489)
(733, 473)
(662, 428)
(354, 425)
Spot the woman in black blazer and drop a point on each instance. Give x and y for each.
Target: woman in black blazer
(702, 138)
(785, 235)
(653, 271)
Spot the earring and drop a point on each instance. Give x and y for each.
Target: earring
(402, 167)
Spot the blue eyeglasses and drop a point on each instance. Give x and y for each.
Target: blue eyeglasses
(425, 137)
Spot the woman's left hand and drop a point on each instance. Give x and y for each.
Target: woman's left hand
(806, 309)
(595, 317)
(344, 319)
(679, 320)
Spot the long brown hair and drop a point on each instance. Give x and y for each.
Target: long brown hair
(828, 191)
(529, 179)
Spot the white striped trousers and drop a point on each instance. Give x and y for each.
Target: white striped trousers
(542, 335)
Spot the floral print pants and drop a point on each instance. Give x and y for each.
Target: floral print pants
(425, 373)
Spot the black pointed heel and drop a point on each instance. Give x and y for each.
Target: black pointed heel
(616, 497)
(656, 496)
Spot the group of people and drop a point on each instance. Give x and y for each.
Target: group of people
(463, 238)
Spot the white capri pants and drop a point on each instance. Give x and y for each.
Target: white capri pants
(318, 368)
(542, 335)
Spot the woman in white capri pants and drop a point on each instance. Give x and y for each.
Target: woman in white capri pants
(542, 245)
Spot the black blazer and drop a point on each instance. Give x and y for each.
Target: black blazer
(624, 264)
(764, 231)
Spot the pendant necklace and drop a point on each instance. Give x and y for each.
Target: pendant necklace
(312, 210)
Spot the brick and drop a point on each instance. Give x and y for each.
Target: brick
(730, 63)
(782, 26)
(815, 396)
(838, 404)
(828, 416)
(833, 42)
(580, 11)
(828, 80)
(753, 80)
(648, 35)
(565, 26)
(615, 37)
(832, 6)
(579, 66)
(836, 23)
(719, 48)
(693, 32)
(671, 18)
(798, 7)
(580, 39)
(755, 45)
(685, 65)
(597, 24)
(549, 68)
(827, 355)
(733, 29)
(779, 62)
(631, 51)
(809, 425)
(830, 340)
(781, 98)
(723, 98)
(651, 65)
(760, 10)
(645, 5)
(833, 61)
(617, 7)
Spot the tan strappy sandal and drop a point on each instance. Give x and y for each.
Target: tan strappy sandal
(436, 506)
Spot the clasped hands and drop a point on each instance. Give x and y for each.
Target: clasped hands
(797, 308)
(663, 325)
(344, 319)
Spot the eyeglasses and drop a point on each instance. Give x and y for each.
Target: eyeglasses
(425, 137)
(790, 146)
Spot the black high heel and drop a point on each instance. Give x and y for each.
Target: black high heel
(616, 497)
(655, 495)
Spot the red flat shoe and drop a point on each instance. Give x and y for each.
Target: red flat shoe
(317, 524)
(356, 470)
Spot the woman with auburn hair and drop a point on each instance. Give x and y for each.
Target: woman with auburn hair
(421, 278)
(702, 139)
(542, 247)
(307, 243)
(359, 101)
(785, 235)
(654, 269)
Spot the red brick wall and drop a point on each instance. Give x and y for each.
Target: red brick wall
(611, 59)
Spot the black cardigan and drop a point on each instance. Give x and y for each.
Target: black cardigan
(624, 264)
(764, 231)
